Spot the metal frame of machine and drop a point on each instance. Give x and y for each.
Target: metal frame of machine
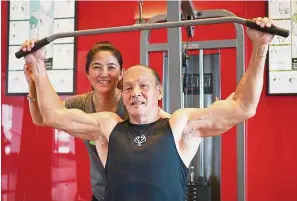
(173, 69)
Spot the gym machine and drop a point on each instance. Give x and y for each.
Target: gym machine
(195, 82)
(199, 80)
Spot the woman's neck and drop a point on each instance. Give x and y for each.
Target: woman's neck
(106, 98)
(106, 101)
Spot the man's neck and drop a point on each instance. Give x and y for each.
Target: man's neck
(145, 119)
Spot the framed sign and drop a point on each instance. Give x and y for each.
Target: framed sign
(282, 72)
(37, 19)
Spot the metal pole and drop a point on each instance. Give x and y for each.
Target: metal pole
(174, 58)
(201, 105)
(240, 128)
(140, 27)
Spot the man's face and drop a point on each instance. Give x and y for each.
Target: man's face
(140, 91)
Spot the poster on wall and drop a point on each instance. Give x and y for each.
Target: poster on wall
(37, 19)
(282, 71)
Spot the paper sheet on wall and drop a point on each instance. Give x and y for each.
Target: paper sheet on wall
(279, 9)
(283, 51)
(41, 25)
(17, 82)
(280, 58)
(13, 62)
(63, 56)
(64, 25)
(64, 9)
(18, 32)
(283, 82)
(38, 19)
(19, 10)
(62, 80)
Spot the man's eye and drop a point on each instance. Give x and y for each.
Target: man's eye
(127, 88)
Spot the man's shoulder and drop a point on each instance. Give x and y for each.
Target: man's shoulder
(122, 124)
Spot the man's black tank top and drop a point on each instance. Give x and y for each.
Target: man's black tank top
(143, 164)
(85, 102)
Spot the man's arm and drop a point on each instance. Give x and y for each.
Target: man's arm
(32, 98)
(223, 115)
(190, 124)
(36, 116)
(38, 119)
(72, 102)
(56, 115)
(33, 106)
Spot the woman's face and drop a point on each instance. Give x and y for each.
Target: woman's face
(104, 72)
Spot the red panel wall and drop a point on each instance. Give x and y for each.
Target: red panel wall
(33, 167)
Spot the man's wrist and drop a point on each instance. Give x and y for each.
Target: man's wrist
(260, 49)
(38, 68)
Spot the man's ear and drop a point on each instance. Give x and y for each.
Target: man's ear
(160, 91)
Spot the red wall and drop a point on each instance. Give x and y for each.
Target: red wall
(34, 170)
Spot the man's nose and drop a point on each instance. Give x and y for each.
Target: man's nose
(136, 92)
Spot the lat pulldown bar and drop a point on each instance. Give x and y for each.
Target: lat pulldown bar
(139, 27)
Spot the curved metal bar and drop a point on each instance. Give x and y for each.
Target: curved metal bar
(161, 25)
(140, 27)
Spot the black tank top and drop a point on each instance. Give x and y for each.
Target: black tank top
(85, 102)
(143, 164)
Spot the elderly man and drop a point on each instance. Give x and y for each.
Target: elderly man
(148, 157)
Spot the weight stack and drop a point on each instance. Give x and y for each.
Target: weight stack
(198, 190)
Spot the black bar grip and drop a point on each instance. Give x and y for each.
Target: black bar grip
(37, 45)
(272, 30)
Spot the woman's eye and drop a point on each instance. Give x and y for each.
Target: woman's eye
(96, 67)
(111, 68)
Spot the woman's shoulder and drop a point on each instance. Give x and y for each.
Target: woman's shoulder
(78, 100)
(122, 110)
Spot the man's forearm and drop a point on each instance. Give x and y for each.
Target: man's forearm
(48, 99)
(249, 90)
(33, 106)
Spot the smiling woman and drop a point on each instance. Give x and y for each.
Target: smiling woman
(104, 71)
(104, 66)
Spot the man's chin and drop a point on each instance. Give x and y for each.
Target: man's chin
(139, 110)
